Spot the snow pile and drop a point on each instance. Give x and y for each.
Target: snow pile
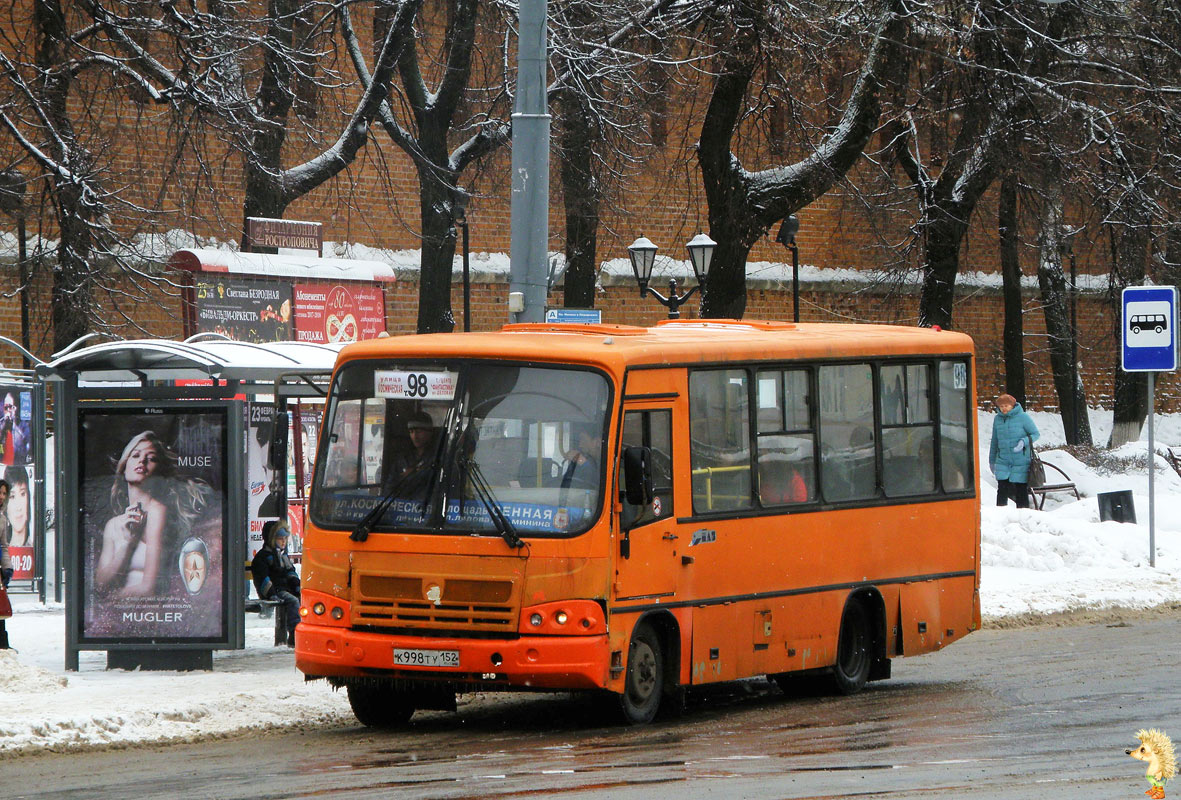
(253, 689)
(16, 677)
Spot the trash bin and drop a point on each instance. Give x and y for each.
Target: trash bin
(1117, 506)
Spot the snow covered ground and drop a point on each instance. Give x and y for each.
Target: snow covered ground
(1034, 562)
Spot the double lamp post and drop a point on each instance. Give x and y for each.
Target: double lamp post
(643, 256)
(642, 253)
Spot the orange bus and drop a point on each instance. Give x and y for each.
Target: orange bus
(638, 510)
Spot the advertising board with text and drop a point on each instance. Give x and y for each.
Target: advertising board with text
(330, 313)
(245, 311)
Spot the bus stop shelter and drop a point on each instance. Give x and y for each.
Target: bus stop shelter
(151, 491)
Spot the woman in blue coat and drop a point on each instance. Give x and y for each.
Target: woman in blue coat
(1009, 456)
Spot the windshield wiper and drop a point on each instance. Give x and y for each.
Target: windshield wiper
(484, 492)
(365, 526)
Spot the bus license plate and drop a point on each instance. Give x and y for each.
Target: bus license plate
(426, 658)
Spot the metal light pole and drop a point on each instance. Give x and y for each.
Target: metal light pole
(1074, 392)
(459, 213)
(787, 238)
(529, 248)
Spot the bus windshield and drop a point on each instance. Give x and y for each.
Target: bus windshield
(462, 447)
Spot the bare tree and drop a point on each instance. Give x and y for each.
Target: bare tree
(216, 68)
(744, 204)
(446, 118)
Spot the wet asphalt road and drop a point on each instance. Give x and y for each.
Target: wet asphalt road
(1033, 713)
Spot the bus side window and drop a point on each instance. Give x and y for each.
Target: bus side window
(848, 456)
(954, 435)
(786, 441)
(651, 429)
(908, 430)
(719, 432)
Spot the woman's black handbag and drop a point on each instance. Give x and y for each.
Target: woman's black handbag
(1037, 470)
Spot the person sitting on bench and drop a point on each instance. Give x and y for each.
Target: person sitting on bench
(274, 575)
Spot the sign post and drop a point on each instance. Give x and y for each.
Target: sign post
(1148, 343)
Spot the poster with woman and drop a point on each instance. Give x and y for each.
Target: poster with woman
(153, 527)
(20, 515)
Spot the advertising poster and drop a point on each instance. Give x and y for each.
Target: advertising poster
(152, 484)
(262, 482)
(20, 516)
(245, 311)
(326, 312)
(16, 425)
(299, 475)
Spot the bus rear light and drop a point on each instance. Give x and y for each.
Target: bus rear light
(582, 617)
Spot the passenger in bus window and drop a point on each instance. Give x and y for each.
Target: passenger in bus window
(780, 482)
(421, 429)
(582, 463)
(1009, 455)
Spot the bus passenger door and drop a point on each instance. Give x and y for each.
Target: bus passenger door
(648, 560)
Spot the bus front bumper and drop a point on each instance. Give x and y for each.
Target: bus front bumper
(538, 662)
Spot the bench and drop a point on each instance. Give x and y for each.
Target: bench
(1039, 488)
(268, 607)
(1173, 460)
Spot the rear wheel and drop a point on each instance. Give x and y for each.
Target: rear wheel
(377, 705)
(854, 651)
(644, 682)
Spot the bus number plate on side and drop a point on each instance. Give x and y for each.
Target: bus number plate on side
(425, 658)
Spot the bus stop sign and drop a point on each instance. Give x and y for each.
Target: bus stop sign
(1149, 329)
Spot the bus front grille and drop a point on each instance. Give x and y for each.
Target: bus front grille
(416, 602)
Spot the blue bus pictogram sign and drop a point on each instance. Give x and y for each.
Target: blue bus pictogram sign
(1148, 330)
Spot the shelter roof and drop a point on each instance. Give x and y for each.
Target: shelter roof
(306, 267)
(196, 358)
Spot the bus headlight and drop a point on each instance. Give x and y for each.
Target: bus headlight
(318, 609)
(585, 616)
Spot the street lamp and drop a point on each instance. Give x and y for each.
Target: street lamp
(643, 257)
(787, 238)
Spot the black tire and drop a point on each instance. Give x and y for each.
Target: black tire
(644, 683)
(854, 651)
(1158, 329)
(1135, 329)
(379, 706)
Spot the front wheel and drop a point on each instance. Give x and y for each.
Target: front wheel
(644, 683)
(377, 705)
(854, 651)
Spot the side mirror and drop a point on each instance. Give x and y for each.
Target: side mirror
(637, 475)
(277, 454)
